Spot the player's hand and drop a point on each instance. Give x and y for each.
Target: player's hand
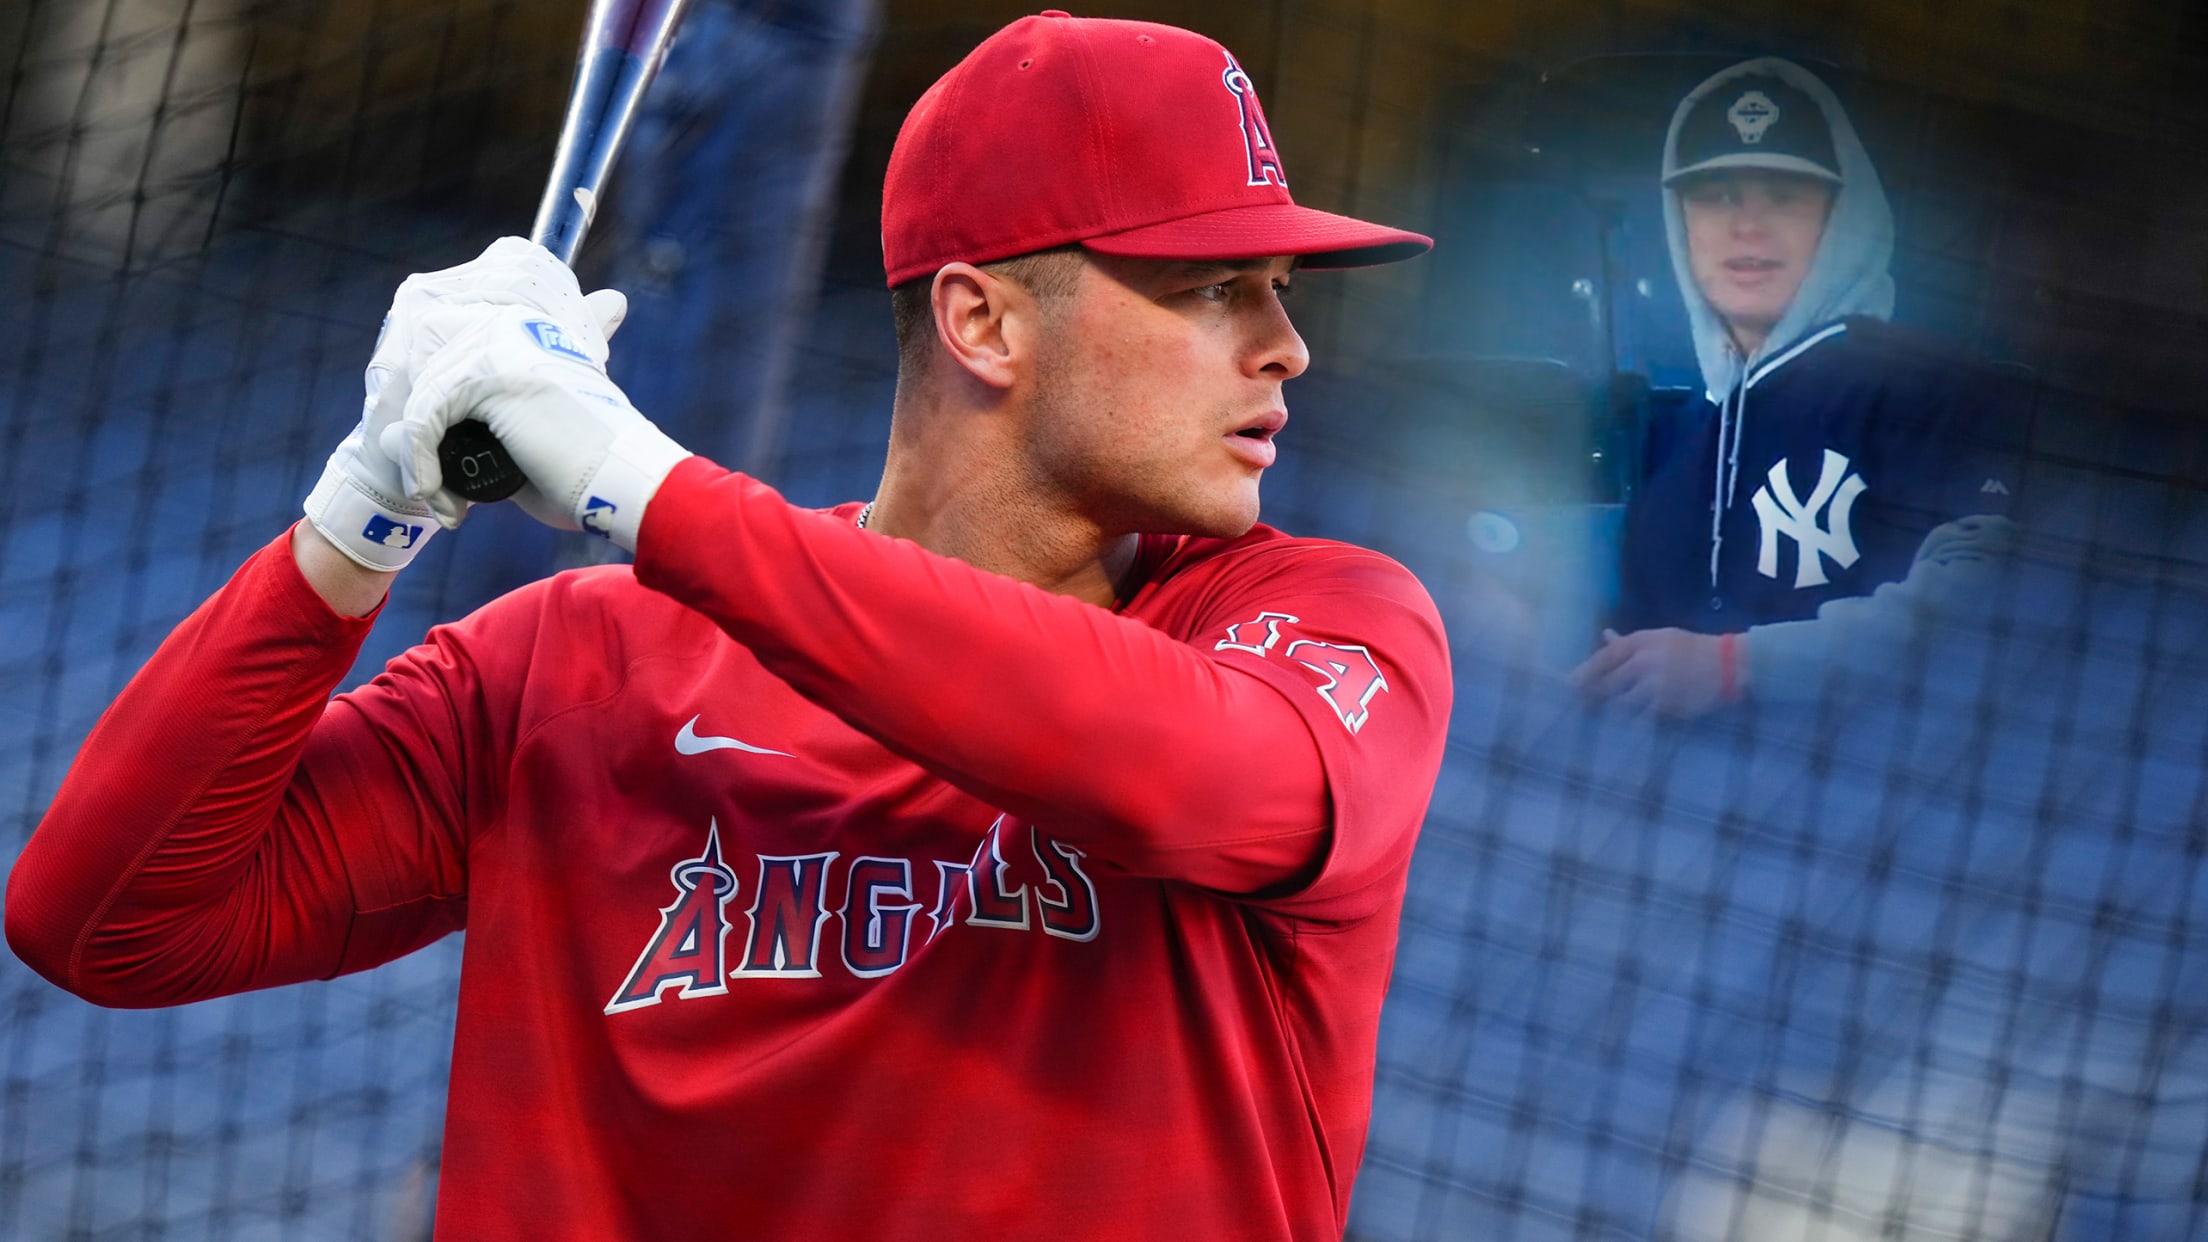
(1670, 672)
(361, 505)
(539, 381)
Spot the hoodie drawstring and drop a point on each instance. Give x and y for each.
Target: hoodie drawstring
(1732, 461)
(1732, 417)
(1717, 487)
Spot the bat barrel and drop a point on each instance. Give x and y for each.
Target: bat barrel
(623, 45)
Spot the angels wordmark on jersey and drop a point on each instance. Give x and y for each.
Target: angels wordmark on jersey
(880, 896)
(790, 907)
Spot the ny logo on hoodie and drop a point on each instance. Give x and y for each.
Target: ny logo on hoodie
(1779, 513)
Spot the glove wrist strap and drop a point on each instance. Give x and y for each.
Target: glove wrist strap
(612, 502)
(374, 535)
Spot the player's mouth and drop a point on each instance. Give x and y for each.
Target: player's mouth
(1751, 269)
(1253, 442)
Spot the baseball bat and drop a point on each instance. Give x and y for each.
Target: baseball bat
(624, 42)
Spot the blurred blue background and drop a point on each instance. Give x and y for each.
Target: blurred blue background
(1930, 943)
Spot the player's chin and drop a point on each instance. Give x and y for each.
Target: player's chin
(1229, 513)
(1216, 504)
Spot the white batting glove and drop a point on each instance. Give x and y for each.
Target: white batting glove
(592, 460)
(361, 504)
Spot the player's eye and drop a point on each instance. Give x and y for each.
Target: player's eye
(1221, 292)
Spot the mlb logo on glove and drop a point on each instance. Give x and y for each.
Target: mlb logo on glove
(390, 534)
(598, 516)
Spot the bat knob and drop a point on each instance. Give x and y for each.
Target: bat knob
(477, 467)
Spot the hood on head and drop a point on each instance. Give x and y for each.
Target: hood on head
(1849, 276)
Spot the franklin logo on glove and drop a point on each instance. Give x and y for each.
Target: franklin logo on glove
(555, 341)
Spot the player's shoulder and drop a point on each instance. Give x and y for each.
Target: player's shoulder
(1878, 351)
(598, 612)
(1929, 386)
(1890, 384)
(1267, 588)
(1270, 557)
(605, 604)
(591, 588)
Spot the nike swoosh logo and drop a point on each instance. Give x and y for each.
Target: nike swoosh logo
(688, 742)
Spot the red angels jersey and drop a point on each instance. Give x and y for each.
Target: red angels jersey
(737, 967)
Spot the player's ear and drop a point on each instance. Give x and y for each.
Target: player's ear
(975, 316)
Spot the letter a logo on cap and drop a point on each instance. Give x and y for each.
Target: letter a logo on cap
(1256, 137)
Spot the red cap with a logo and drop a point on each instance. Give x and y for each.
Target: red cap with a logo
(1127, 137)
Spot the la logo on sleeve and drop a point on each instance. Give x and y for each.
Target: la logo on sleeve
(1346, 675)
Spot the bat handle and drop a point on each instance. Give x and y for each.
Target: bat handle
(476, 466)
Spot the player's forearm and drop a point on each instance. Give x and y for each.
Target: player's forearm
(1047, 707)
(1953, 580)
(148, 881)
(348, 587)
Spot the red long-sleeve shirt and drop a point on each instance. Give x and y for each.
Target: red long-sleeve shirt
(817, 886)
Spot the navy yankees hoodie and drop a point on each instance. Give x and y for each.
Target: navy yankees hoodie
(1829, 465)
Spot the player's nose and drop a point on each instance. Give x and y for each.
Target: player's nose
(1752, 215)
(1278, 351)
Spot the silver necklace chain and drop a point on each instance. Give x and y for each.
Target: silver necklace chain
(864, 514)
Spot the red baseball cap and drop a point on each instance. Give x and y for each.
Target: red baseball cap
(1130, 138)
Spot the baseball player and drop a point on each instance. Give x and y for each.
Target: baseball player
(1016, 855)
(1836, 455)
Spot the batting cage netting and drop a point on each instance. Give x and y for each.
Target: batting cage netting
(1909, 944)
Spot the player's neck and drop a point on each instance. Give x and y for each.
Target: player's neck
(997, 524)
(1748, 338)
